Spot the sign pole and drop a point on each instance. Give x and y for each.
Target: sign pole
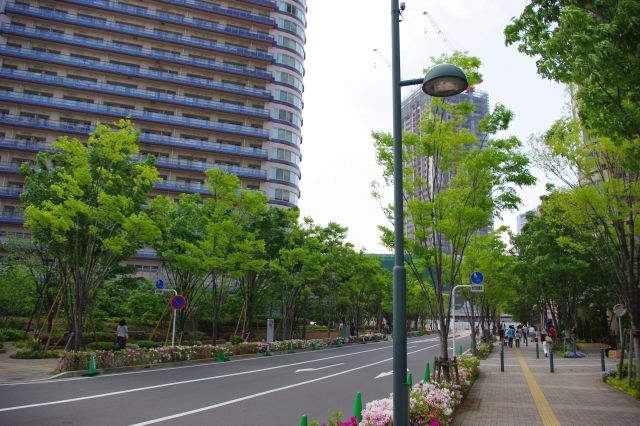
(173, 331)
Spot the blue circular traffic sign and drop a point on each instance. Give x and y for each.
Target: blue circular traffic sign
(178, 302)
(159, 284)
(477, 278)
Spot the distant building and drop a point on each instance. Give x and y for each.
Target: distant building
(413, 108)
(522, 220)
(208, 84)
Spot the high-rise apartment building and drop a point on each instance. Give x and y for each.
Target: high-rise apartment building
(207, 83)
(413, 108)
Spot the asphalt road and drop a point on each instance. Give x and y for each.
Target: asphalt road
(262, 391)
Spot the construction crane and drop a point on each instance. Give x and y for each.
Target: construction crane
(441, 33)
(444, 38)
(384, 58)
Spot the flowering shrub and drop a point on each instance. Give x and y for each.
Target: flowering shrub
(484, 349)
(135, 355)
(574, 354)
(431, 403)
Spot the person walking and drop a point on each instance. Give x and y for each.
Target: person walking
(122, 333)
(518, 335)
(532, 332)
(511, 333)
(525, 332)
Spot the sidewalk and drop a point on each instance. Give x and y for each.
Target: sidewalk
(21, 370)
(527, 393)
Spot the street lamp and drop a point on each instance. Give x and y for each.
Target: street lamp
(441, 81)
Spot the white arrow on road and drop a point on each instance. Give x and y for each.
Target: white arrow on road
(300, 370)
(388, 373)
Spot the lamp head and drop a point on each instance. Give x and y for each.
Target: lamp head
(444, 80)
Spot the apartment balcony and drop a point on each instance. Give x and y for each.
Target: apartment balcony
(132, 93)
(11, 217)
(51, 36)
(10, 192)
(64, 127)
(135, 31)
(7, 167)
(218, 10)
(23, 145)
(200, 166)
(134, 114)
(133, 72)
(172, 18)
(181, 187)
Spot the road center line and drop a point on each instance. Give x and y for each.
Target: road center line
(256, 395)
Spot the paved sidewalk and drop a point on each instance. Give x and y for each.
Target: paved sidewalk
(527, 393)
(21, 370)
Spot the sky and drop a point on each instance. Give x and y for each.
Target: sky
(348, 95)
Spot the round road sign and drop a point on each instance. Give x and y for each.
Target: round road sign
(477, 277)
(159, 284)
(178, 302)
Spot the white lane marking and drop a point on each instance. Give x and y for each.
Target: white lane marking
(255, 395)
(388, 373)
(411, 347)
(157, 370)
(300, 370)
(182, 382)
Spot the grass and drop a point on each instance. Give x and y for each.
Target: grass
(623, 385)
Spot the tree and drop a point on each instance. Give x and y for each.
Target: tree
(594, 46)
(601, 201)
(84, 202)
(466, 183)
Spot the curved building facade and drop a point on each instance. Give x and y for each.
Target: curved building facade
(209, 84)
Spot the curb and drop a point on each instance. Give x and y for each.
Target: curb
(80, 373)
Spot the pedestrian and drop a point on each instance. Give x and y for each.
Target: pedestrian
(545, 345)
(525, 333)
(352, 329)
(552, 333)
(122, 333)
(511, 333)
(518, 335)
(532, 332)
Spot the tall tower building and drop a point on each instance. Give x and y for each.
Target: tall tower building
(209, 84)
(413, 108)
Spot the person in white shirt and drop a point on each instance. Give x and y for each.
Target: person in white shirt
(122, 333)
(532, 331)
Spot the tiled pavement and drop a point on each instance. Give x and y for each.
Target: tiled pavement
(19, 370)
(573, 395)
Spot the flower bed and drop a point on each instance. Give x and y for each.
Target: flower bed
(431, 403)
(135, 355)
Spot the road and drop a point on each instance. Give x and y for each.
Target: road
(262, 391)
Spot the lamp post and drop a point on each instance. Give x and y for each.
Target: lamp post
(440, 81)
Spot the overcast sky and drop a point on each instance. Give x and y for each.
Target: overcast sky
(348, 95)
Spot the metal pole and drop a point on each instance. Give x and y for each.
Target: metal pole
(602, 359)
(304, 324)
(173, 333)
(502, 358)
(453, 322)
(400, 388)
(537, 349)
(551, 360)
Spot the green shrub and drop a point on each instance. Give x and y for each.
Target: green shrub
(236, 340)
(103, 346)
(29, 354)
(623, 385)
(146, 344)
(10, 334)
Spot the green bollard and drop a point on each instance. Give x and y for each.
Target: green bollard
(427, 373)
(551, 360)
(303, 420)
(357, 407)
(502, 361)
(460, 350)
(268, 352)
(292, 348)
(315, 345)
(410, 380)
(92, 366)
(338, 342)
(537, 350)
